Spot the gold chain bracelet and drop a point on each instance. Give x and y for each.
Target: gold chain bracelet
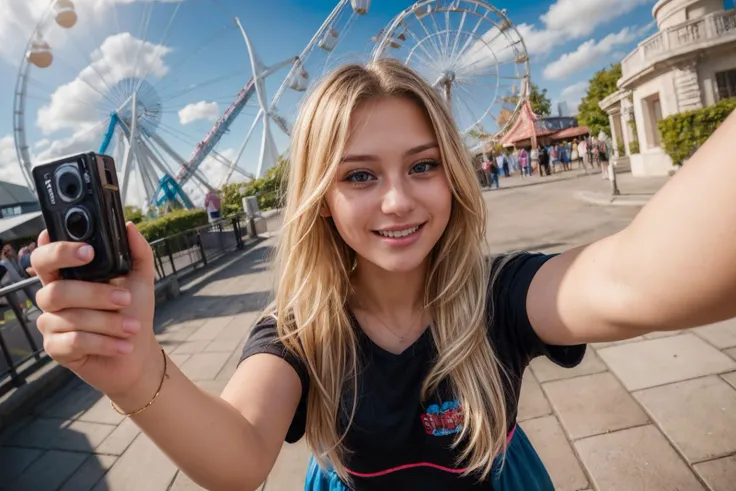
(155, 396)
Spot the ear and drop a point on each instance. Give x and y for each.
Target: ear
(324, 210)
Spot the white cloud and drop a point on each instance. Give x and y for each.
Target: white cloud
(573, 94)
(20, 17)
(44, 142)
(9, 167)
(199, 110)
(73, 105)
(587, 53)
(572, 19)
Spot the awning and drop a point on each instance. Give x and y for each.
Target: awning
(568, 133)
(22, 226)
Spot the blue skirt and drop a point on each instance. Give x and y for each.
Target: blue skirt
(522, 470)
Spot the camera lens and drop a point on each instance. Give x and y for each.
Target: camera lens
(69, 183)
(78, 224)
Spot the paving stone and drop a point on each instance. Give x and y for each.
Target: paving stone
(204, 366)
(8, 433)
(230, 366)
(532, 403)
(593, 404)
(608, 344)
(553, 448)
(81, 436)
(72, 403)
(661, 334)
(179, 359)
(190, 347)
(545, 371)
(14, 460)
(120, 439)
(143, 467)
(698, 416)
(211, 328)
(721, 335)
(730, 378)
(719, 475)
(225, 346)
(662, 361)
(102, 412)
(731, 352)
(89, 473)
(290, 468)
(49, 471)
(39, 434)
(635, 459)
(183, 483)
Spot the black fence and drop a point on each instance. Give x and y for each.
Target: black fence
(21, 344)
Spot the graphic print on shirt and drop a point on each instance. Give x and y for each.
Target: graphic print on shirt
(443, 420)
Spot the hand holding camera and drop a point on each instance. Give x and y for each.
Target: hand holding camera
(97, 275)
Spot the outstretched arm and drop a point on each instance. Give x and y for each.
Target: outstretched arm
(673, 267)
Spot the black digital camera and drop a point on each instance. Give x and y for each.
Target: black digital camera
(81, 202)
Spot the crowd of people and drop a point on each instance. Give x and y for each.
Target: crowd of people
(545, 160)
(15, 267)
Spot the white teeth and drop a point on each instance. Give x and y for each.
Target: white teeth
(398, 233)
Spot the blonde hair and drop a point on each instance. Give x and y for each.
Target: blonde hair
(314, 266)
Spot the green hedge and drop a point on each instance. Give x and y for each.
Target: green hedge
(173, 223)
(684, 133)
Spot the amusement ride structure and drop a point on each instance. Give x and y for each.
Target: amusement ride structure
(122, 93)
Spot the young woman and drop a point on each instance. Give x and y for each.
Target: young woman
(392, 345)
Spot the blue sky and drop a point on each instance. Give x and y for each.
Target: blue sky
(568, 41)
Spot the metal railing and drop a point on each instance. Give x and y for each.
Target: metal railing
(21, 344)
(678, 39)
(181, 253)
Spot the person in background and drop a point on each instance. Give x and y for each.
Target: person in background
(15, 272)
(212, 205)
(503, 164)
(534, 164)
(524, 162)
(24, 258)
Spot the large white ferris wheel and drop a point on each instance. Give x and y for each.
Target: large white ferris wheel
(109, 77)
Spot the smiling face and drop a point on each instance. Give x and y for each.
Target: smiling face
(391, 200)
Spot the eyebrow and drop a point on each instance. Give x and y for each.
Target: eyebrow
(369, 158)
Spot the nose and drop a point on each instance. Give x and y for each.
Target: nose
(398, 199)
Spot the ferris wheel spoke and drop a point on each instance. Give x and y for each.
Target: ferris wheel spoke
(429, 37)
(164, 39)
(471, 35)
(419, 43)
(199, 85)
(437, 30)
(142, 36)
(457, 35)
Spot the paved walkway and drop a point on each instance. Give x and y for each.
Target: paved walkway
(656, 413)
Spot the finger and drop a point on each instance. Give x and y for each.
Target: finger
(140, 250)
(43, 238)
(67, 347)
(48, 259)
(91, 321)
(67, 294)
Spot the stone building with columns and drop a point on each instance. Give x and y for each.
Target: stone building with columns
(689, 63)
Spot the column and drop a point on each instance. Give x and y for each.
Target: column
(614, 134)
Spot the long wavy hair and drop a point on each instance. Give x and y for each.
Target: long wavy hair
(314, 272)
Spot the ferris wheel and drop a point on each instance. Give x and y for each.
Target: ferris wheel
(470, 52)
(317, 57)
(132, 79)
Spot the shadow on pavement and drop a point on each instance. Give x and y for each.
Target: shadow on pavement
(51, 449)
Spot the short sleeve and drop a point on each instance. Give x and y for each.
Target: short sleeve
(514, 339)
(264, 338)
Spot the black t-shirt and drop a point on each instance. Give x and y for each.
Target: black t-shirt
(396, 440)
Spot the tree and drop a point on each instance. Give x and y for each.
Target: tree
(541, 105)
(601, 86)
